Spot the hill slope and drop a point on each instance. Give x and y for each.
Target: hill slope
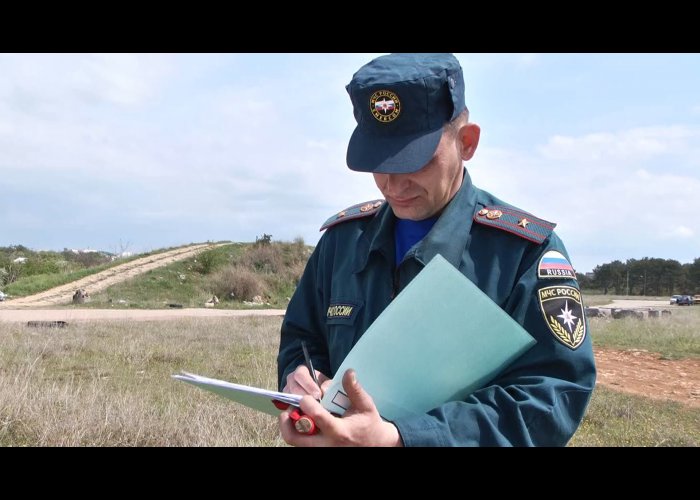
(94, 283)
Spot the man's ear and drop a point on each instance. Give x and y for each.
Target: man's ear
(469, 135)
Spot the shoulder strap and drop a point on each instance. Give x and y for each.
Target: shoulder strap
(354, 212)
(515, 221)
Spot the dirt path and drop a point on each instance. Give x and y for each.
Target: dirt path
(70, 314)
(643, 373)
(94, 283)
(634, 304)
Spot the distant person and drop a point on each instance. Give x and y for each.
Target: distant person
(413, 134)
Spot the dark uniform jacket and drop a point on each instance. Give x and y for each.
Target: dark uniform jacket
(540, 399)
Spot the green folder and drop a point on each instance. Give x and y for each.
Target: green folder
(439, 340)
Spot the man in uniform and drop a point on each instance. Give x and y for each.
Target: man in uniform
(413, 134)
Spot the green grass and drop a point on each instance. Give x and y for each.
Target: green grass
(42, 282)
(29, 285)
(615, 419)
(674, 337)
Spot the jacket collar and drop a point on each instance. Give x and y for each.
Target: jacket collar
(448, 237)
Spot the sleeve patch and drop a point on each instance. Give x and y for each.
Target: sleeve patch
(516, 222)
(553, 264)
(563, 313)
(354, 212)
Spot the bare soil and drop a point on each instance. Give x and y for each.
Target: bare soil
(635, 304)
(647, 374)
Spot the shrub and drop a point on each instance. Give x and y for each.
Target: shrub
(265, 239)
(9, 271)
(207, 262)
(40, 265)
(243, 283)
(263, 259)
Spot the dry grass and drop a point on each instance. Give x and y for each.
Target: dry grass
(674, 337)
(108, 383)
(237, 282)
(270, 270)
(615, 419)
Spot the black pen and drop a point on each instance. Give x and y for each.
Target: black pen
(309, 365)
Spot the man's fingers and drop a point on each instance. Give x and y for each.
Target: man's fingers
(326, 384)
(300, 382)
(359, 399)
(321, 417)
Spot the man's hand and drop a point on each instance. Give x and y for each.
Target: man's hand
(360, 426)
(300, 382)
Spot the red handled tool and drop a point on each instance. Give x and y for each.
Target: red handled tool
(302, 423)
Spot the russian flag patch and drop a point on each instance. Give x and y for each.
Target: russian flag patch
(553, 264)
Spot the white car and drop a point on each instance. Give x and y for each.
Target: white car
(2, 296)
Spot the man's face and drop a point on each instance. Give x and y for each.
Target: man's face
(425, 193)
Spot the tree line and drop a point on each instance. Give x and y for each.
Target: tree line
(647, 276)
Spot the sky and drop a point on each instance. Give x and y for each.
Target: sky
(135, 152)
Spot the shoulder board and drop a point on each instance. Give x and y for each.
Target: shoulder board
(354, 212)
(515, 221)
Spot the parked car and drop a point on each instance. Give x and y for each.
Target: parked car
(685, 300)
(674, 299)
(2, 296)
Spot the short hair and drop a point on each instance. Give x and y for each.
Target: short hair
(457, 122)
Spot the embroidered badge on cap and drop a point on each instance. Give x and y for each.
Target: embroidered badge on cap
(554, 265)
(563, 312)
(385, 105)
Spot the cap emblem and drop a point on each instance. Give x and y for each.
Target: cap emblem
(385, 106)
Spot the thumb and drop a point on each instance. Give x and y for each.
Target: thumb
(360, 401)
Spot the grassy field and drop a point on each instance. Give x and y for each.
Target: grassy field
(673, 338)
(108, 384)
(616, 419)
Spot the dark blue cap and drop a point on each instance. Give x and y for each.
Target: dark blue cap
(401, 103)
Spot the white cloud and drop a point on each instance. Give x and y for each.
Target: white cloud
(166, 149)
(54, 83)
(681, 232)
(614, 195)
(627, 146)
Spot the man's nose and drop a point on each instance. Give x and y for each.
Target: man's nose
(396, 183)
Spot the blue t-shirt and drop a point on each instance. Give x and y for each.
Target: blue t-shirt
(409, 232)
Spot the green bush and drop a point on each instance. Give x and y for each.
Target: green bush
(9, 271)
(208, 261)
(40, 264)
